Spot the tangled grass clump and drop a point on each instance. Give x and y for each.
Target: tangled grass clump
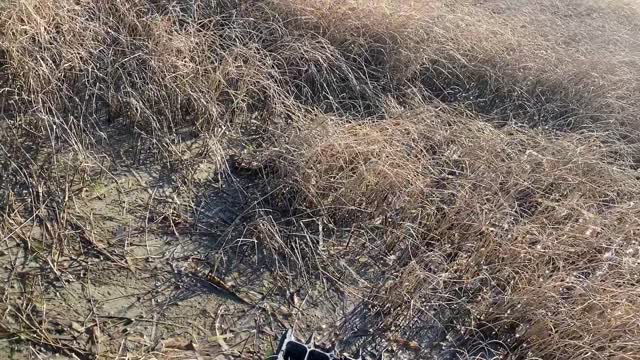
(532, 236)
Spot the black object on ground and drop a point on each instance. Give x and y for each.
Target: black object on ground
(292, 349)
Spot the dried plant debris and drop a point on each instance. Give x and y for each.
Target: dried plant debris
(440, 179)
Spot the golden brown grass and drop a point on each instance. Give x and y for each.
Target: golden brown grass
(480, 157)
(535, 239)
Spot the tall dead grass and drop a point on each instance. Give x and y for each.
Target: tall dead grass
(483, 152)
(532, 236)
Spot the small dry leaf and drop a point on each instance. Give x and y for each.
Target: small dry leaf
(179, 344)
(94, 338)
(77, 327)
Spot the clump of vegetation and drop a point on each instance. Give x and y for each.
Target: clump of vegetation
(469, 168)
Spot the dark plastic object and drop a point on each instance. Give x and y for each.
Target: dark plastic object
(292, 349)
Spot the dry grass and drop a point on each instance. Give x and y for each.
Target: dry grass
(470, 164)
(535, 240)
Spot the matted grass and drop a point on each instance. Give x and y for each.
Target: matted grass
(462, 174)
